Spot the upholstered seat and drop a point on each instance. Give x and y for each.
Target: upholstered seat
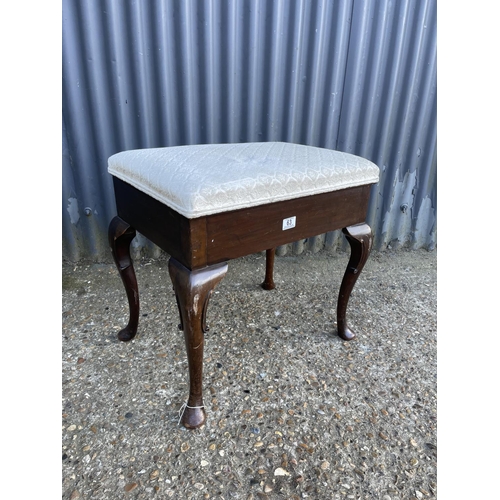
(210, 178)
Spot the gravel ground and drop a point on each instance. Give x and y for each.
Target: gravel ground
(292, 411)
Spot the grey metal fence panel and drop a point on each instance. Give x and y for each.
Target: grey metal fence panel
(389, 115)
(353, 75)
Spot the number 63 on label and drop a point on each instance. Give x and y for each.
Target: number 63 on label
(289, 223)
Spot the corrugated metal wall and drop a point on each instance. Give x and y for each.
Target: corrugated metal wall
(353, 75)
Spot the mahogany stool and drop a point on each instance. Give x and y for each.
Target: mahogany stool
(207, 204)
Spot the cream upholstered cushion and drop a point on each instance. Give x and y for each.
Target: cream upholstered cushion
(210, 178)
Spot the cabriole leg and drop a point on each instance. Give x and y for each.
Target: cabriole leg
(120, 235)
(269, 280)
(193, 290)
(360, 239)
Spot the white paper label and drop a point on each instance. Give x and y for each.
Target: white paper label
(289, 223)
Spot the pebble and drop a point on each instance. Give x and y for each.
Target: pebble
(325, 465)
(359, 472)
(184, 447)
(204, 463)
(281, 472)
(74, 495)
(71, 427)
(130, 486)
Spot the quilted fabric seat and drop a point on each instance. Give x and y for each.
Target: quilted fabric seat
(211, 178)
